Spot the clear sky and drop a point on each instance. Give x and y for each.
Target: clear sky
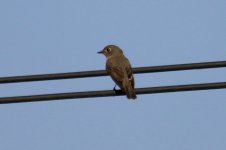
(54, 36)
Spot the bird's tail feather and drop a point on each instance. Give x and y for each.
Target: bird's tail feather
(129, 90)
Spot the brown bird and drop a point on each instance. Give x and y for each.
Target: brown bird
(118, 66)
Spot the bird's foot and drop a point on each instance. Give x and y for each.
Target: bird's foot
(117, 91)
(115, 88)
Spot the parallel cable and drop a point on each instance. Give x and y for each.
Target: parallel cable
(107, 93)
(57, 76)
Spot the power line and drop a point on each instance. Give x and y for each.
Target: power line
(107, 93)
(178, 67)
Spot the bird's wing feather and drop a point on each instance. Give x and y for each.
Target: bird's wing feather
(116, 72)
(130, 74)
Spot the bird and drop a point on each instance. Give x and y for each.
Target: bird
(120, 70)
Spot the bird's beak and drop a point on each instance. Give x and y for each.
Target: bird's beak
(100, 52)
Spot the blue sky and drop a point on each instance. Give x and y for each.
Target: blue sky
(39, 37)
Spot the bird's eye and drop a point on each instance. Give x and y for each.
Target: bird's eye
(108, 50)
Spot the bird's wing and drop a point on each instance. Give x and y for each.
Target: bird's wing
(116, 72)
(130, 74)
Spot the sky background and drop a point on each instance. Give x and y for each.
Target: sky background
(55, 36)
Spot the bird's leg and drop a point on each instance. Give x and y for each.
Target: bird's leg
(115, 88)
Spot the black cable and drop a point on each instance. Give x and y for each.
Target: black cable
(97, 73)
(107, 93)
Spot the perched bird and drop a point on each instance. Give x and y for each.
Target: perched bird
(118, 66)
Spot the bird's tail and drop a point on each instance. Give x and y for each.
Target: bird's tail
(129, 90)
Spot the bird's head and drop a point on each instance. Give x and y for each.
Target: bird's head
(111, 50)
